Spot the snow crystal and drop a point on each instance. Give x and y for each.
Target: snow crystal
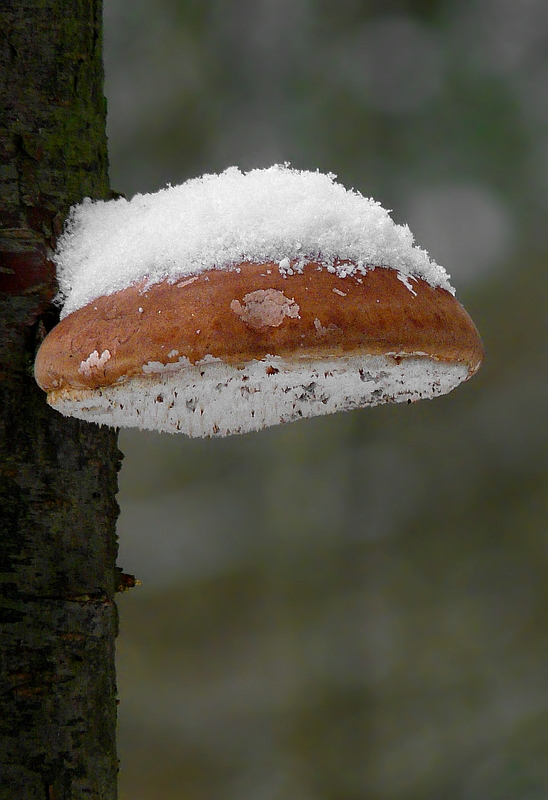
(406, 282)
(216, 399)
(278, 215)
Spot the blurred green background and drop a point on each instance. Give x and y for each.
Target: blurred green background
(355, 607)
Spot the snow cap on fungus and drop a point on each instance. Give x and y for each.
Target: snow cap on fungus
(216, 221)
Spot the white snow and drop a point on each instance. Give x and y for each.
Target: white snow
(278, 214)
(216, 399)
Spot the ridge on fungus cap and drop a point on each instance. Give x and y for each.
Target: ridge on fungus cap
(243, 300)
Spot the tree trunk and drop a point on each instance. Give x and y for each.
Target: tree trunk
(57, 475)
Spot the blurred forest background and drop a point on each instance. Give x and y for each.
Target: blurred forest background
(355, 607)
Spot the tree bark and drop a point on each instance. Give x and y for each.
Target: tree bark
(57, 476)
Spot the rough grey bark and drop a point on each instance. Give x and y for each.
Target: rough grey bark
(57, 476)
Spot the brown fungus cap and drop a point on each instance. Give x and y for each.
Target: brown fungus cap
(232, 350)
(242, 300)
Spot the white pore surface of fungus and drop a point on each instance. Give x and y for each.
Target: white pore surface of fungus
(217, 221)
(217, 399)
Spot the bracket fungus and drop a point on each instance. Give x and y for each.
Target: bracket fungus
(243, 300)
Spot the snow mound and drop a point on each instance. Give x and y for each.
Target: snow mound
(277, 214)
